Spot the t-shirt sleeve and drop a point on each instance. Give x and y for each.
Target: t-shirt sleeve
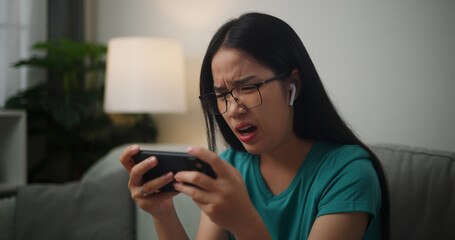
(352, 185)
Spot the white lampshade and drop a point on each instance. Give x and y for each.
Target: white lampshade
(144, 75)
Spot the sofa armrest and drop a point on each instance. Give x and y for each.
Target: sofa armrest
(422, 191)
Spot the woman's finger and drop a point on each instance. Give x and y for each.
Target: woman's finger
(139, 169)
(199, 195)
(196, 178)
(126, 159)
(153, 185)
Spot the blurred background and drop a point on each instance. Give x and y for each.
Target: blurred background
(387, 65)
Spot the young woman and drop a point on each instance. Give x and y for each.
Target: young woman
(293, 169)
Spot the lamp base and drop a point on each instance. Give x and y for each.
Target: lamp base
(134, 127)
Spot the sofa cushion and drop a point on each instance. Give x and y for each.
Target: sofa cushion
(7, 207)
(98, 208)
(422, 191)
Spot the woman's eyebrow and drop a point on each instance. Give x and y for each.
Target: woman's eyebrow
(235, 83)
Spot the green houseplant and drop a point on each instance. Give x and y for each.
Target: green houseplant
(66, 122)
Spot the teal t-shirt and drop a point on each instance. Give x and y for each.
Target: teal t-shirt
(332, 179)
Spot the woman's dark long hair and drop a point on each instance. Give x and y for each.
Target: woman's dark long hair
(274, 44)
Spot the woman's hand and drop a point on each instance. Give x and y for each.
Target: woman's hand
(224, 200)
(159, 204)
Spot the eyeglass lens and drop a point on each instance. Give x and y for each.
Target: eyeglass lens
(247, 97)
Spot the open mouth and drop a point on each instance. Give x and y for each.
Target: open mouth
(247, 130)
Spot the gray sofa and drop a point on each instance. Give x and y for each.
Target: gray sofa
(422, 188)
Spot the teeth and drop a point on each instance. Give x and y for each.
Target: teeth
(244, 128)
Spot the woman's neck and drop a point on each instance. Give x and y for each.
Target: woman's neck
(291, 153)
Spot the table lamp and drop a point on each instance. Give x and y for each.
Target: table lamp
(144, 75)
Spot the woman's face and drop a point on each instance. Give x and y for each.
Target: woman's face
(264, 128)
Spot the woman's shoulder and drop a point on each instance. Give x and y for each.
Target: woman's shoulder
(344, 150)
(348, 165)
(340, 155)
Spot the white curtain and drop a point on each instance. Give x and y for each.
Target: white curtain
(22, 23)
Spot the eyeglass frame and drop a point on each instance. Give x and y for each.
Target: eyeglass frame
(257, 85)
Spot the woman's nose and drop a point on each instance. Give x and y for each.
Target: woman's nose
(233, 107)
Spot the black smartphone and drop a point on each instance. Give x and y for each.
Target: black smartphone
(172, 162)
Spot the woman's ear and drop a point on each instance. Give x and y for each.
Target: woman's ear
(296, 80)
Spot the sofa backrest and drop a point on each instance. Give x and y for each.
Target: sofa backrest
(422, 191)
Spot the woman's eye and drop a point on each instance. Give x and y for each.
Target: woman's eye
(248, 88)
(220, 95)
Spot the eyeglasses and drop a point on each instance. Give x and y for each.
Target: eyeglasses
(246, 96)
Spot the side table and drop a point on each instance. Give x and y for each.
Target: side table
(13, 147)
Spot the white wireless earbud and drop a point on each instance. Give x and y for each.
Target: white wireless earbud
(291, 102)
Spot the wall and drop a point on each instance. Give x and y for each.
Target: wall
(22, 23)
(388, 65)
